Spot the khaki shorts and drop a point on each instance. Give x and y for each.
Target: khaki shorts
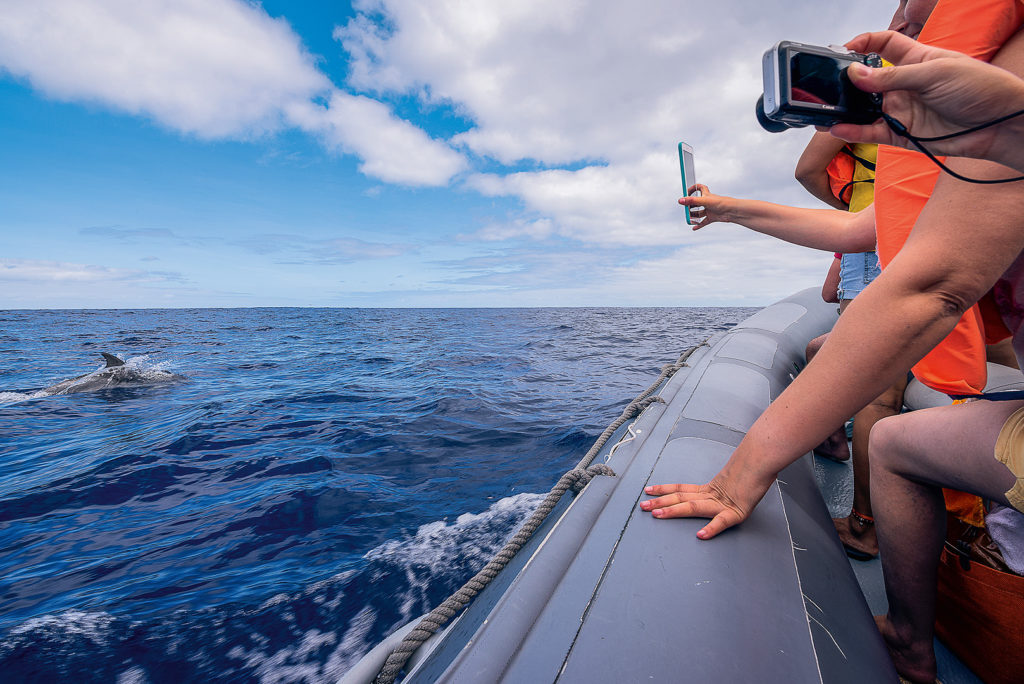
(1010, 452)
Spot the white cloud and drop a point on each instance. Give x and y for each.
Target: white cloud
(209, 68)
(737, 269)
(609, 85)
(587, 79)
(36, 271)
(392, 150)
(630, 203)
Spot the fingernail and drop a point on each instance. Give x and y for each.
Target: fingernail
(858, 69)
(657, 513)
(646, 505)
(649, 490)
(702, 534)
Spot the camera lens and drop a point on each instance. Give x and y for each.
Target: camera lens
(766, 123)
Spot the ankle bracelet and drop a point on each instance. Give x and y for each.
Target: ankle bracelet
(864, 520)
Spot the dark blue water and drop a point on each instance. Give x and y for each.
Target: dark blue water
(321, 477)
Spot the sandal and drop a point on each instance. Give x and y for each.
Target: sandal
(857, 554)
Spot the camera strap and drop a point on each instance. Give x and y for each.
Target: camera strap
(901, 130)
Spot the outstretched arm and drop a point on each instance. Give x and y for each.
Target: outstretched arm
(831, 230)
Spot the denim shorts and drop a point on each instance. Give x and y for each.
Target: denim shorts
(855, 272)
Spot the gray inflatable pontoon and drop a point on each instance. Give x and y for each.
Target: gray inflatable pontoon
(606, 593)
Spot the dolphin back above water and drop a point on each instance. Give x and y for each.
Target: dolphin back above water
(116, 373)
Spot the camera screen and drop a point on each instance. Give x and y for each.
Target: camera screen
(816, 78)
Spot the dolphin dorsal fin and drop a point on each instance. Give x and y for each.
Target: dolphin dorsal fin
(111, 360)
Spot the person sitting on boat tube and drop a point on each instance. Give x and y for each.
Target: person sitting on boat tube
(965, 237)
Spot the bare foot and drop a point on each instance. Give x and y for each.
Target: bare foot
(835, 448)
(858, 537)
(915, 663)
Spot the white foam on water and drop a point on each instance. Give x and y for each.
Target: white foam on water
(473, 538)
(292, 664)
(15, 397)
(133, 675)
(354, 644)
(71, 623)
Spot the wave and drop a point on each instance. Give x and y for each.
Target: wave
(291, 637)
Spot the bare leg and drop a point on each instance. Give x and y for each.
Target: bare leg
(1002, 353)
(835, 447)
(856, 534)
(912, 456)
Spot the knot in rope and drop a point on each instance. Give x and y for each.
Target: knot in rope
(581, 477)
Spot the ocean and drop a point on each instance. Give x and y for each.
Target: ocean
(284, 487)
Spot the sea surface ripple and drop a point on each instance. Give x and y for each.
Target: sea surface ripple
(321, 477)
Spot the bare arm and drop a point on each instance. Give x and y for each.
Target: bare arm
(830, 288)
(963, 241)
(810, 168)
(831, 230)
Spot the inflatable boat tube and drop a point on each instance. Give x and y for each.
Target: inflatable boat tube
(606, 593)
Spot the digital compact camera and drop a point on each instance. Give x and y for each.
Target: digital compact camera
(807, 85)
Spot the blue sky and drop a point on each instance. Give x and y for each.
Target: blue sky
(184, 153)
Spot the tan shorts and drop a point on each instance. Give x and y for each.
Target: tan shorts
(1010, 452)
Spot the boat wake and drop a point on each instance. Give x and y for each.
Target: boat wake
(299, 636)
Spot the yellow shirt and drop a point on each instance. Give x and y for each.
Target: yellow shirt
(863, 194)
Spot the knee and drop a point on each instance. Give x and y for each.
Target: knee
(890, 403)
(814, 345)
(886, 444)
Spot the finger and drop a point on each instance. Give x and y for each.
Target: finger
(721, 522)
(658, 490)
(895, 46)
(877, 132)
(699, 508)
(914, 77)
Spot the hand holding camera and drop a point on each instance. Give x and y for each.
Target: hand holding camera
(937, 93)
(805, 85)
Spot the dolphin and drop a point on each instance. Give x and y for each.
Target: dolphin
(116, 373)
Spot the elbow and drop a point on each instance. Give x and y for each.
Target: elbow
(952, 299)
(804, 176)
(951, 304)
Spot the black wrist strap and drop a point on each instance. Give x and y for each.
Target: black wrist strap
(901, 130)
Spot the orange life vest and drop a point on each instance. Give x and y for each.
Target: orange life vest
(905, 179)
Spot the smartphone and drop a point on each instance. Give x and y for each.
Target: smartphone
(686, 170)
